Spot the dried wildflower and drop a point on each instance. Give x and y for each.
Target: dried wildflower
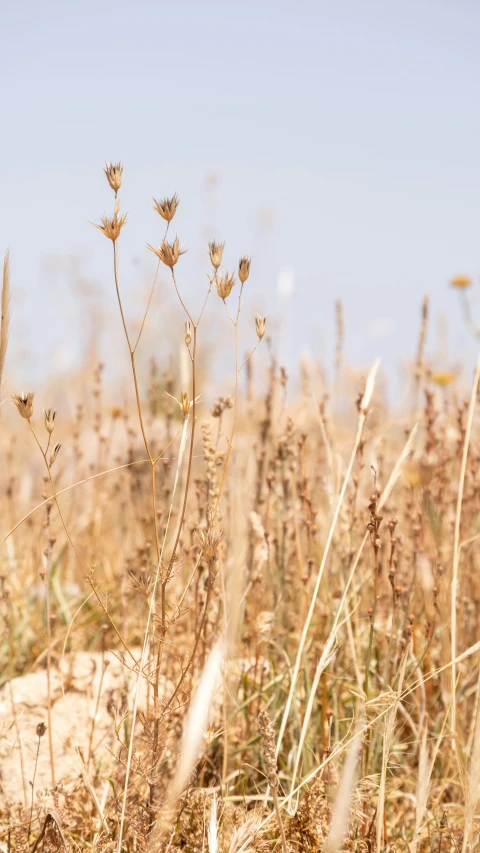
(50, 415)
(113, 172)
(443, 377)
(41, 729)
(112, 227)
(168, 253)
(216, 252)
(461, 282)
(209, 541)
(225, 284)
(54, 454)
(260, 326)
(24, 404)
(184, 404)
(244, 269)
(188, 333)
(167, 207)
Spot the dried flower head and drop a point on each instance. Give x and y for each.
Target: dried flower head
(260, 326)
(41, 729)
(216, 253)
(167, 207)
(209, 540)
(54, 454)
(225, 283)
(244, 269)
(113, 172)
(461, 282)
(112, 227)
(50, 415)
(24, 404)
(188, 333)
(168, 253)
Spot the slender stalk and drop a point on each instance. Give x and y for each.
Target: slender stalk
(456, 546)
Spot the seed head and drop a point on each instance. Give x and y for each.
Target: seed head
(188, 333)
(24, 404)
(461, 282)
(167, 207)
(244, 269)
(113, 172)
(216, 253)
(168, 253)
(50, 415)
(268, 737)
(41, 729)
(260, 325)
(54, 454)
(225, 283)
(112, 227)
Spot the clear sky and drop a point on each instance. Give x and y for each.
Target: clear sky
(346, 138)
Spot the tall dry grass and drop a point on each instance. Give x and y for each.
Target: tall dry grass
(285, 574)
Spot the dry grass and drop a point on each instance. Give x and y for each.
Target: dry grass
(289, 586)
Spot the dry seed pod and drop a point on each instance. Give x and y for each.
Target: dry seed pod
(24, 404)
(188, 333)
(168, 253)
(244, 269)
(260, 326)
(166, 207)
(113, 172)
(112, 227)
(216, 252)
(225, 284)
(50, 415)
(54, 454)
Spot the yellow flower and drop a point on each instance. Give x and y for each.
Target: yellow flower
(461, 282)
(443, 378)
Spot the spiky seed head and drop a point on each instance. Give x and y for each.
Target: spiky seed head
(24, 404)
(461, 282)
(168, 253)
(188, 333)
(216, 253)
(111, 227)
(113, 172)
(225, 284)
(166, 207)
(260, 325)
(244, 269)
(268, 737)
(54, 454)
(50, 415)
(41, 729)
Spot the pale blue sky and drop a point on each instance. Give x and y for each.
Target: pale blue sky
(357, 123)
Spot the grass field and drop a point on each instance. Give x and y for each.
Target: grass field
(239, 621)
